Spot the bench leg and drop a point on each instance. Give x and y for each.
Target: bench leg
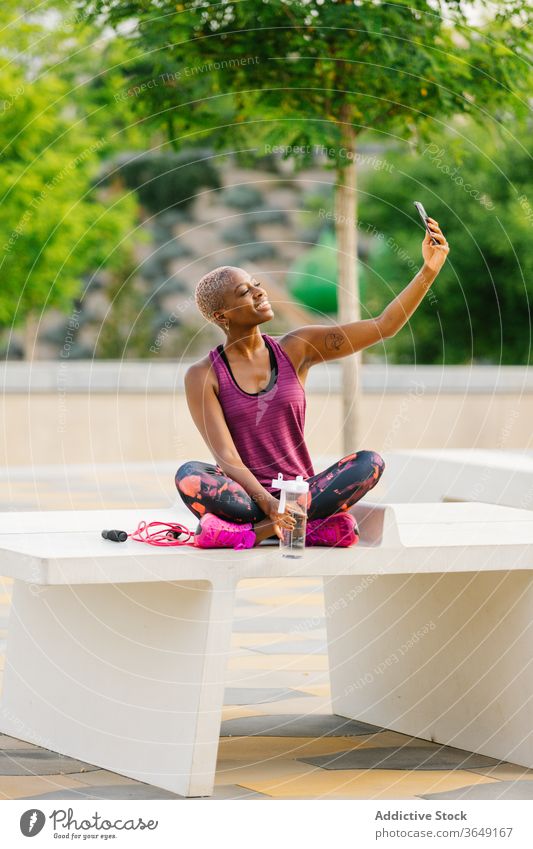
(127, 677)
(443, 657)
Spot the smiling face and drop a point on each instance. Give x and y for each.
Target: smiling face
(245, 302)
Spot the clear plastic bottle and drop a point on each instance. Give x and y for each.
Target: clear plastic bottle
(293, 498)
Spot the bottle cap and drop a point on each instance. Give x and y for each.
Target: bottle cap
(296, 485)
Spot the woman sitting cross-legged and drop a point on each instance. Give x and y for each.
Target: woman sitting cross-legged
(247, 399)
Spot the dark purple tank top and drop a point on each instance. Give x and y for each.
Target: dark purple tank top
(267, 427)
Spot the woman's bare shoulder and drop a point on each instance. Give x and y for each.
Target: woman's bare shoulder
(200, 372)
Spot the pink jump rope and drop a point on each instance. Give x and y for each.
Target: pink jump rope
(168, 533)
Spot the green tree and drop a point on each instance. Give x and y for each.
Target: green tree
(479, 309)
(53, 228)
(300, 74)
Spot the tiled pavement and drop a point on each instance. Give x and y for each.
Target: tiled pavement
(279, 738)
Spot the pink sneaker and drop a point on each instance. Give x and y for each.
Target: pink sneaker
(339, 530)
(215, 532)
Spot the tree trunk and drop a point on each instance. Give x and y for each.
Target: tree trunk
(31, 329)
(349, 308)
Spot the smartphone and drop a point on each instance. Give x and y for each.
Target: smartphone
(424, 216)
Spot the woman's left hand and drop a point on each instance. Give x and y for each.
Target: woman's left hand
(435, 255)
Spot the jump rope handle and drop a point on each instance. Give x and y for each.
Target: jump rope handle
(115, 536)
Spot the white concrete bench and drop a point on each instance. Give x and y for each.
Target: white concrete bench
(493, 476)
(116, 652)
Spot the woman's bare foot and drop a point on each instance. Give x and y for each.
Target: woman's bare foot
(264, 529)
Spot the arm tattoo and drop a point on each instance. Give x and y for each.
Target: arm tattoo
(334, 341)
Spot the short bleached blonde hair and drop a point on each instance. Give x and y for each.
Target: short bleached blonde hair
(209, 292)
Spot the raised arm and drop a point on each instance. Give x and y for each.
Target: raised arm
(318, 343)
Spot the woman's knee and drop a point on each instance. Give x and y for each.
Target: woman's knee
(188, 477)
(192, 467)
(376, 463)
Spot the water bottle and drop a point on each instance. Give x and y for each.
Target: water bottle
(293, 498)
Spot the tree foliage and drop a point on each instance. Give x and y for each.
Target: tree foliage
(287, 72)
(297, 74)
(53, 227)
(479, 308)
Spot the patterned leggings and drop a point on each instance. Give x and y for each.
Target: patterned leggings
(206, 489)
